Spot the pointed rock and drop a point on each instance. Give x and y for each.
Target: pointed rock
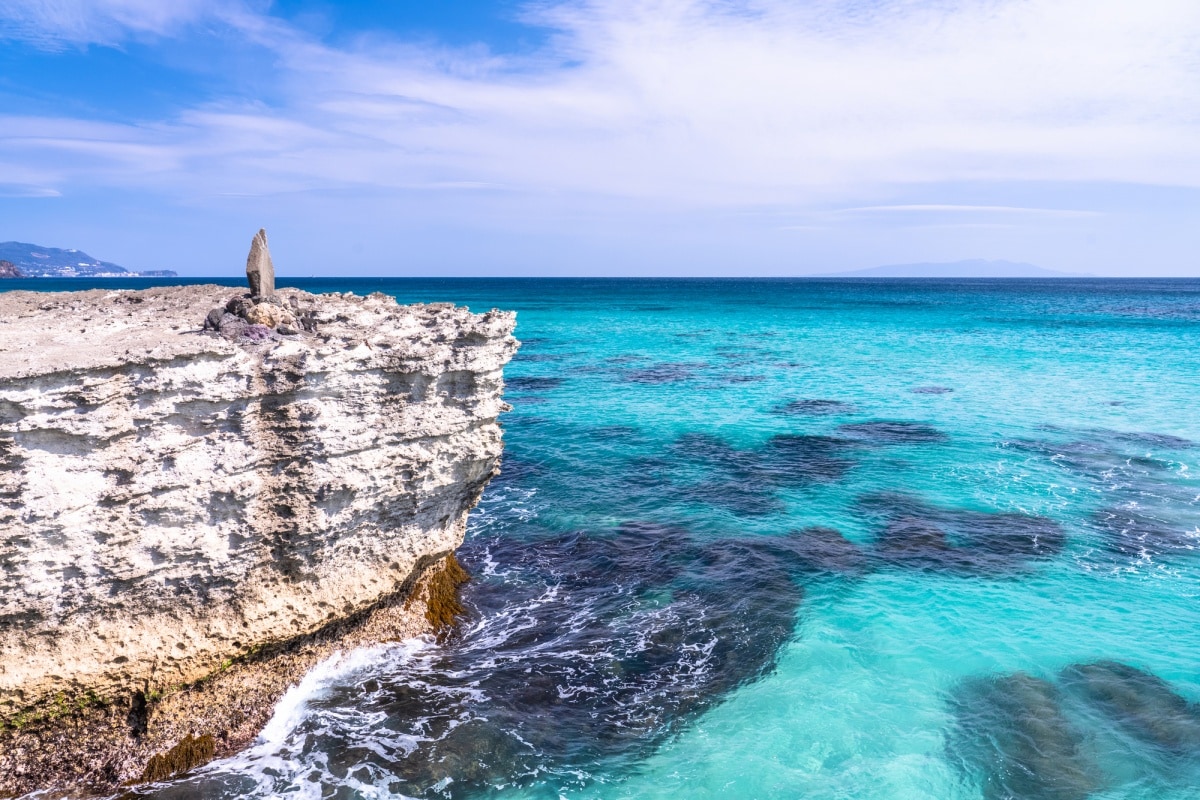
(260, 272)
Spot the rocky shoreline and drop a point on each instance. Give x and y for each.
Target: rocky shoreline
(201, 500)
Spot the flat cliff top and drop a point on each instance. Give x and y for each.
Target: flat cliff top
(52, 332)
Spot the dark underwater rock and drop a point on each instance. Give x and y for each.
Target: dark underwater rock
(658, 374)
(826, 551)
(528, 383)
(1138, 534)
(814, 408)
(745, 480)
(957, 541)
(1150, 507)
(931, 390)
(792, 459)
(1011, 735)
(892, 432)
(1139, 703)
(565, 670)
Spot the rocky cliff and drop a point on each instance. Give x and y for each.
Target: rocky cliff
(189, 519)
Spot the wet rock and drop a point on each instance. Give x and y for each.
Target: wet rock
(260, 270)
(1012, 737)
(892, 432)
(814, 408)
(1139, 703)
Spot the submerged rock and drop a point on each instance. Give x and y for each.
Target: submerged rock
(957, 541)
(1149, 507)
(565, 671)
(1012, 738)
(529, 383)
(892, 432)
(814, 408)
(1139, 703)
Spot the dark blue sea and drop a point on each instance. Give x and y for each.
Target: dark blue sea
(853, 540)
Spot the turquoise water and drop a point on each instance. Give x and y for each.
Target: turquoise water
(801, 539)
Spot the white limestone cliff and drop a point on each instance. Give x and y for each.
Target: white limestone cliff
(173, 500)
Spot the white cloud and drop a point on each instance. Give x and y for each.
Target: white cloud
(55, 23)
(686, 102)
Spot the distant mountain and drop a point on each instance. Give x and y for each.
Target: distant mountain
(35, 261)
(973, 268)
(9, 270)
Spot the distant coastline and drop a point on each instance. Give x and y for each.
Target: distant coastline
(24, 260)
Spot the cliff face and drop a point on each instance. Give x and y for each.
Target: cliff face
(173, 501)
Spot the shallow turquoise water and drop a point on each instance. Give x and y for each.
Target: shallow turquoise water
(610, 660)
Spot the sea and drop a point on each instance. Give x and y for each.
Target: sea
(819, 539)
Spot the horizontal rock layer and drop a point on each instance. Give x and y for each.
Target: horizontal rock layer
(172, 500)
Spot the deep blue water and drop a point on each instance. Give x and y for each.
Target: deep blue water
(800, 539)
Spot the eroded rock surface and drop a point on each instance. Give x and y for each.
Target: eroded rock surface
(174, 499)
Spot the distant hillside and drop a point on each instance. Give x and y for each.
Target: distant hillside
(9, 270)
(974, 268)
(35, 261)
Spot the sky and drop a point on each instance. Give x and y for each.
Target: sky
(604, 137)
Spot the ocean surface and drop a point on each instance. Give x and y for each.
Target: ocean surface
(869, 540)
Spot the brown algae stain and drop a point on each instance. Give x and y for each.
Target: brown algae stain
(189, 753)
(442, 603)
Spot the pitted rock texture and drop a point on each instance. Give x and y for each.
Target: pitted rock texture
(173, 499)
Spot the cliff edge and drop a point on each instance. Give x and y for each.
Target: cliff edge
(192, 518)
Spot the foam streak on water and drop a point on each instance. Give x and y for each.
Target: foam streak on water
(778, 539)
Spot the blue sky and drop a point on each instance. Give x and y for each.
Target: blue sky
(643, 137)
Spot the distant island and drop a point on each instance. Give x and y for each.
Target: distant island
(973, 268)
(22, 260)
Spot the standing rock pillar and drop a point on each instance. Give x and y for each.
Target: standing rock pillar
(260, 271)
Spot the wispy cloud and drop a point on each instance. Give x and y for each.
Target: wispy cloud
(682, 103)
(938, 208)
(18, 190)
(53, 24)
